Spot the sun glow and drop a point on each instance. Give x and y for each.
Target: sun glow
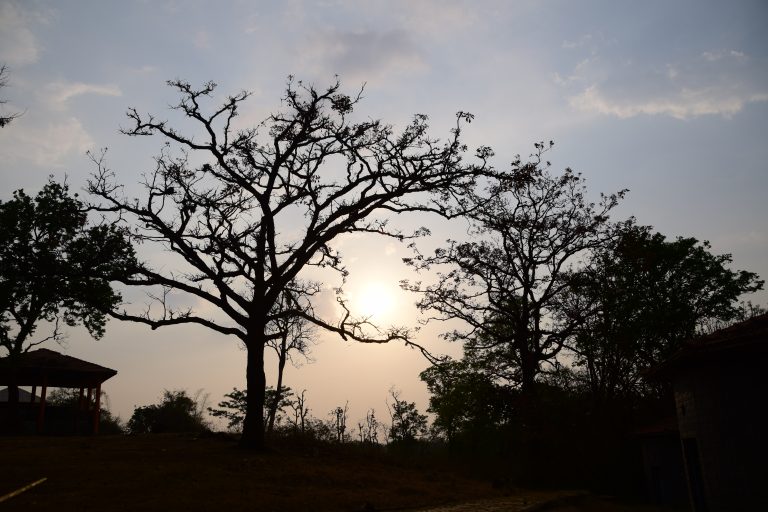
(375, 300)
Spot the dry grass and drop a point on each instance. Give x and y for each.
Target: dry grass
(173, 472)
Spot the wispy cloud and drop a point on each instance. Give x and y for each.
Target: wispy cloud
(722, 54)
(47, 145)
(718, 82)
(578, 43)
(364, 55)
(59, 93)
(18, 44)
(683, 104)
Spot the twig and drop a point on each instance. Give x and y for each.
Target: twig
(23, 489)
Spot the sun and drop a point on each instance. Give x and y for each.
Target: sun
(375, 300)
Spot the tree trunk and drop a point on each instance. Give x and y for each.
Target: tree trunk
(279, 387)
(529, 368)
(256, 383)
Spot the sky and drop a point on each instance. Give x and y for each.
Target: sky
(666, 98)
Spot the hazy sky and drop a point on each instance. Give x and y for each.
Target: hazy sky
(666, 98)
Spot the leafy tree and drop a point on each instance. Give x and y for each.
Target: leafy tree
(407, 423)
(56, 268)
(256, 208)
(176, 412)
(508, 282)
(648, 294)
(465, 399)
(234, 409)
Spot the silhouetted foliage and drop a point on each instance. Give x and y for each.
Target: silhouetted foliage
(634, 299)
(507, 283)
(257, 207)
(369, 428)
(338, 423)
(466, 401)
(299, 417)
(408, 424)
(295, 334)
(56, 268)
(176, 412)
(70, 398)
(648, 294)
(5, 118)
(233, 410)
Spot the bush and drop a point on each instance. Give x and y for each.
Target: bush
(176, 412)
(70, 398)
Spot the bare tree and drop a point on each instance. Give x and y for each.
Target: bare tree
(5, 118)
(256, 208)
(369, 428)
(339, 422)
(298, 405)
(507, 284)
(296, 334)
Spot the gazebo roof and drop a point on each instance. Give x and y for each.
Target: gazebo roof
(43, 366)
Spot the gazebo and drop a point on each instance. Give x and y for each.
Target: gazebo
(45, 369)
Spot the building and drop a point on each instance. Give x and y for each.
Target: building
(720, 389)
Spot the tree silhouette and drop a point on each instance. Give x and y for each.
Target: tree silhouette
(234, 409)
(299, 412)
(5, 118)
(295, 334)
(465, 399)
(176, 412)
(408, 424)
(507, 284)
(256, 208)
(55, 268)
(338, 423)
(648, 294)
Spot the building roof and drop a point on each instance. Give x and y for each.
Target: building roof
(43, 366)
(24, 396)
(745, 339)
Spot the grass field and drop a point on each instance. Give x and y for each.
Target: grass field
(176, 472)
(183, 472)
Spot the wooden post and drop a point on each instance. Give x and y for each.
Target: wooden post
(78, 411)
(32, 396)
(41, 411)
(97, 410)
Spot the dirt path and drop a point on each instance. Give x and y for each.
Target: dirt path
(527, 502)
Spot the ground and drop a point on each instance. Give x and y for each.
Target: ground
(178, 472)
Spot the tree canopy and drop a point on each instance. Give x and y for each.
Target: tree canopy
(176, 412)
(55, 268)
(648, 294)
(257, 207)
(506, 284)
